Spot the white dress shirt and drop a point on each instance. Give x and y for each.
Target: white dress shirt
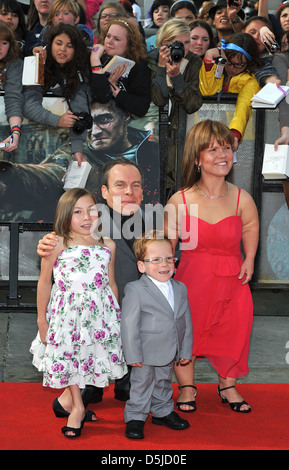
(166, 289)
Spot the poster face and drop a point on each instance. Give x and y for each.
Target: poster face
(31, 178)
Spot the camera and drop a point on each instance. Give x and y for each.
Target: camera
(177, 51)
(272, 48)
(84, 122)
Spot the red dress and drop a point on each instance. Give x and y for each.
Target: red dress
(221, 308)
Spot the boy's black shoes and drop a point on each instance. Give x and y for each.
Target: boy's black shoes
(172, 421)
(134, 429)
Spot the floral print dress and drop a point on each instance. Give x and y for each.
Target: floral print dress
(83, 339)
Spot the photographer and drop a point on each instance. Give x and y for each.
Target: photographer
(65, 74)
(175, 79)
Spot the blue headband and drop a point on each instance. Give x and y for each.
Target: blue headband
(234, 47)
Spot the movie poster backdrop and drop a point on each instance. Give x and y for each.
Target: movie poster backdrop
(31, 178)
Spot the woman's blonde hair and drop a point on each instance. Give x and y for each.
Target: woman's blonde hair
(170, 29)
(64, 211)
(199, 138)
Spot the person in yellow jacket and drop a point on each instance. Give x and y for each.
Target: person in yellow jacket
(230, 69)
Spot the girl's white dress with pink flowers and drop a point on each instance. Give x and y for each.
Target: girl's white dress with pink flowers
(83, 340)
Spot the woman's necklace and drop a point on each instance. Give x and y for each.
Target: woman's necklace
(213, 197)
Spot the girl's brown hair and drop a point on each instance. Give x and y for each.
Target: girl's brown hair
(119, 11)
(199, 138)
(64, 211)
(248, 43)
(73, 70)
(13, 53)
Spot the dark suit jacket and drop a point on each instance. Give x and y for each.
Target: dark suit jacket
(126, 269)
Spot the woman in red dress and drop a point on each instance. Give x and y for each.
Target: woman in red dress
(212, 217)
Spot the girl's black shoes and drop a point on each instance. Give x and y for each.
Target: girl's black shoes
(60, 412)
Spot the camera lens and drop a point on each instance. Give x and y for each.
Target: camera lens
(78, 128)
(177, 51)
(84, 122)
(176, 56)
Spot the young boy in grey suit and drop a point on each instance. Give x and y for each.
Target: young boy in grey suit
(156, 331)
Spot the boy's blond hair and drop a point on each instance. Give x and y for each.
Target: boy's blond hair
(140, 245)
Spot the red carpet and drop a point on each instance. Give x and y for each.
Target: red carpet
(28, 423)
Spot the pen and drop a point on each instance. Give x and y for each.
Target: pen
(281, 89)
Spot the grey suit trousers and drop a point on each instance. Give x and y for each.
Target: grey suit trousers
(151, 391)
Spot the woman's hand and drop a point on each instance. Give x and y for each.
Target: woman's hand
(79, 157)
(283, 139)
(246, 271)
(96, 53)
(114, 76)
(13, 141)
(211, 54)
(266, 35)
(67, 119)
(232, 12)
(164, 56)
(273, 79)
(173, 69)
(235, 144)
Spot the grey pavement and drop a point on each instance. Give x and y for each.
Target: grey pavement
(267, 359)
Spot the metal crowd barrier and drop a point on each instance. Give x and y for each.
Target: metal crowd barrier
(20, 264)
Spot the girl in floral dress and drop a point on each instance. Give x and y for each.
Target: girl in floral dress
(78, 341)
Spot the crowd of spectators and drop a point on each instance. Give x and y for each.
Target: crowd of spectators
(182, 52)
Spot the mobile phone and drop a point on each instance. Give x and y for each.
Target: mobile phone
(4, 145)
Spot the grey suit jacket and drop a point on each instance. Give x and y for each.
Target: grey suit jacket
(151, 332)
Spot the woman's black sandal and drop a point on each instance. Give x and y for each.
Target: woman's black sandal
(189, 403)
(236, 406)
